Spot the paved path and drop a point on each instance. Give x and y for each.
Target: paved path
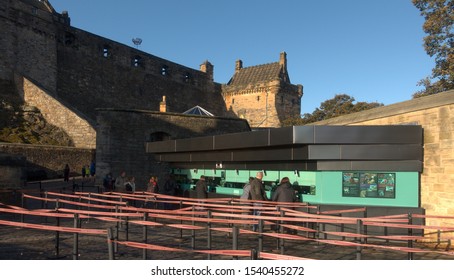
(30, 244)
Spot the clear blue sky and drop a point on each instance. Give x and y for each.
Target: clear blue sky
(370, 50)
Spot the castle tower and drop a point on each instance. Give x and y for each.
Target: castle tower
(263, 94)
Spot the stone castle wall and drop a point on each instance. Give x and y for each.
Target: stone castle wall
(28, 43)
(436, 115)
(83, 71)
(43, 162)
(75, 124)
(95, 72)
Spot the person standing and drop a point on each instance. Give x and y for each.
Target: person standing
(92, 169)
(257, 194)
(120, 182)
(247, 189)
(257, 188)
(83, 171)
(284, 192)
(169, 188)
(130, 184)
(152, 185)
(201, 188)
(107, 182)
(66, 173)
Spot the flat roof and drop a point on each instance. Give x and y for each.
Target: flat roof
(390, 147)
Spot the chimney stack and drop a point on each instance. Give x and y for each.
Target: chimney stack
(163, 105)
(208, 68)
(238, 65)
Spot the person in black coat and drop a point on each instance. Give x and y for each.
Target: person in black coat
(284, 192)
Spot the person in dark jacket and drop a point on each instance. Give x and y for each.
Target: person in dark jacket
(66, 173)
(257, 193)
(257, 188)
(284, 192)
(201, 188)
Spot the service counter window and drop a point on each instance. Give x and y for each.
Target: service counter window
(369, 184)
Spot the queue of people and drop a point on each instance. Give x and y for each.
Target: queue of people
(254, 189)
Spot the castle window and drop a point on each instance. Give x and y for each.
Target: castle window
(69, 38)
(187, 78)
(258, 97)
(34, 10)
(293, 101)
(159, 136)
(137, 61)
(233, 100)
(106, 51)
(282, 99)
(164, 70)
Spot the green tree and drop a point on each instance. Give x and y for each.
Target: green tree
(439, 21)
(341, 104)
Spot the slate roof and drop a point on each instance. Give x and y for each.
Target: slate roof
(259, 73)
(197, 110)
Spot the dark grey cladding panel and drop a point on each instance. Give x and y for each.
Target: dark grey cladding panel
(365, 152)
(263, 155)
(242, 140)
(382, 152)
(300, 152)
(399, 134)
(176, 157)
(331, 152)
(212, 156)
(333, 165)
(300, 166)
(161, 146)
(303, 134)
(281, 136)
(409, 165)
(274, 166)
(406, 165)
(195, 144)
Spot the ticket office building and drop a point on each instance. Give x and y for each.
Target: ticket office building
(328, 165)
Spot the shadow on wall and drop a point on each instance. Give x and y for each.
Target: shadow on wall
(123, 134)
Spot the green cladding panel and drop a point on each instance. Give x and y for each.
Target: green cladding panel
(326, 187)
(329, 191)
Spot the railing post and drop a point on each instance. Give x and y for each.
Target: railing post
(181, 222)
(410, 233)
(359, 224)
(235, 233)
(22, 205)
(117, 229)
(365, 227)
(127, 228)
(145, 235)
(110, 242)
(209, 234)
(281, 240)
(317, 225)
(57, 233)
(438, 237)
(342, 226)
(260, 231)
(193, 230)
(253, 254)
(121, 200)
(278, 229)
(76, 238)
